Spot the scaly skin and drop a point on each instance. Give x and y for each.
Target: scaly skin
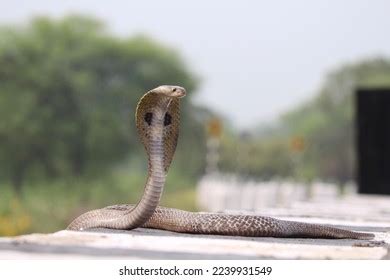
(157, 119)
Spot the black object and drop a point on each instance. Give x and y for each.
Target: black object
(373, 140)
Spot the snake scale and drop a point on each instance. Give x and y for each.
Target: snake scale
(157, 119)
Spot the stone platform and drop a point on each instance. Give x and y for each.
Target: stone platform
(361, 213)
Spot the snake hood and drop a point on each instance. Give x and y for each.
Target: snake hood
(158, 119)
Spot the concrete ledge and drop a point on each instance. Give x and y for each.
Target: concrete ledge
(361, 213)
(156, 244)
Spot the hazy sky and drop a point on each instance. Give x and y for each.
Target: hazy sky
(256, 58)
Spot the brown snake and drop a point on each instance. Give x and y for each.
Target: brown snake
(157, 119)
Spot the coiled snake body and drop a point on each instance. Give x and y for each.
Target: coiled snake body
(157, 119)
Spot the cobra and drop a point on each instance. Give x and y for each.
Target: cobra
(158, 119)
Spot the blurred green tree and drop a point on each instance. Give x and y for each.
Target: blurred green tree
(68, 91)
(325, 124)
(264, 158)
(327, 121)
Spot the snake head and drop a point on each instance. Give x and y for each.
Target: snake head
(158, 116)
(170, 91)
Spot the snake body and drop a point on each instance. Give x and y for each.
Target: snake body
(157, 119)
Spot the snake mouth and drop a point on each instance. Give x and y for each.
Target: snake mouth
(178, 92)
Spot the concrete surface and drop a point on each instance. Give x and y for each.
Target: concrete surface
(363, 213)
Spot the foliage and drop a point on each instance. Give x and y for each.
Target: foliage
(14, 219)
(325, 124)
(48, 206)
(252, 157)
(68, 91)
(327, 121)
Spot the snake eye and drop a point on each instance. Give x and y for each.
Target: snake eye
(148, 118)
(174, 89)
(167, 119)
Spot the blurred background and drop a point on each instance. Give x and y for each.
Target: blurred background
(270, 100)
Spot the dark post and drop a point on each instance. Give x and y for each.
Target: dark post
(373, 140)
